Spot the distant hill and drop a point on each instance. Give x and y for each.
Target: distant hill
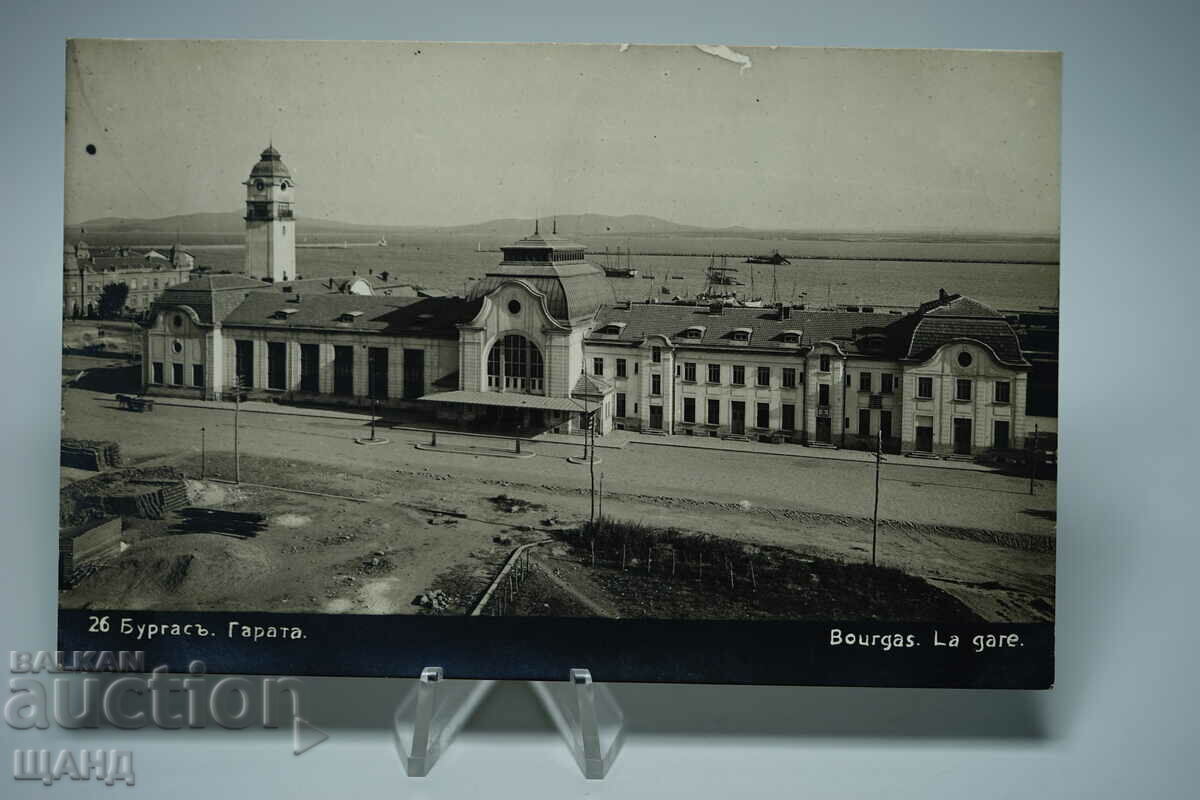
(231, 222)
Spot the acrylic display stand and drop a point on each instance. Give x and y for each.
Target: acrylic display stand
(432, 713)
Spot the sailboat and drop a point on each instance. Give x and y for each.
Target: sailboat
(382, 240)
(618, 271)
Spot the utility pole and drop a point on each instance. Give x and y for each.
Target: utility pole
(1033, 456)
(592, 460)
(875, 517)
(203, 459)
(237, 405)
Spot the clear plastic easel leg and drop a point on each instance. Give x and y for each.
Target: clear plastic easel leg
(430, 715)
(589, 719)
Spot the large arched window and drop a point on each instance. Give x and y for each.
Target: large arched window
(514, 364)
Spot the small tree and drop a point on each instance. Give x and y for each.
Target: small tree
(112, 299)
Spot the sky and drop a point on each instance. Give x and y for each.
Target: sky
(445, 134)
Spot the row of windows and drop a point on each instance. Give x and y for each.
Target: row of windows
(790, 376)
(343, 369)
(177, 374)
(964, 389)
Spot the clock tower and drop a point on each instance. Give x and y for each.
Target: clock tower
(270, 219)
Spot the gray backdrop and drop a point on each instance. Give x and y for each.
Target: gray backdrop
(1122, 719)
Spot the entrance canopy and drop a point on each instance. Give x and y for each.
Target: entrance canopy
(506, 400)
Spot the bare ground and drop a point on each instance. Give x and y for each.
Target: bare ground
(318, 553)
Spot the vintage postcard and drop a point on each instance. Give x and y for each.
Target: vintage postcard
(678, 363)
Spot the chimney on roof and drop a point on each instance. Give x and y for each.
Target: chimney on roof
(716, 308)
(383, 275)
(331, 283)
(942, 295)
(353, 272)
(785, 311)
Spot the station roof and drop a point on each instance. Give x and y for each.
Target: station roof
(429, 316)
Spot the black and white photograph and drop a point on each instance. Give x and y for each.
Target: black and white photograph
(646, 346)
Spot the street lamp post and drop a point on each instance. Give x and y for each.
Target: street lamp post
(875, 516)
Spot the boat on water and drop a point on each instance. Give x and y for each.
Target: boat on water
(721, 275)
(649, 276)
(676, 277)
(382, 241)
(612, 270)
(775, 259)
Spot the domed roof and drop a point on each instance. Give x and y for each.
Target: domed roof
(575, 289)
(270, 165)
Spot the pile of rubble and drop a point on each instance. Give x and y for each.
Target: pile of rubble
(434, 600)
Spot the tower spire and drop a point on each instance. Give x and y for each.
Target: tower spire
(535, 226)
(555, 231)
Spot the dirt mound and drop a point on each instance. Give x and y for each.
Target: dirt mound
(190, 571)
(204, 493)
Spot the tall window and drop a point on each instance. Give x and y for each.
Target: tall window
(620, 368)
(885, 424)
(177, 374)
(788, 423)
(739, 375)
(597, 366)
(764, 376)
(197, 375)
(763, 415)
(377, 372)
(689, 409)
(824, 363)
(714, 412)
(158, 372)
(656, 384)
(885, 383)
(310, 361)
(656, 354)
(689, 372)
(864, 422)
(343, 369)
(823, 395)
(962, 389)
(925, 388)
(276, 365)
(244, 362)
(620, 404)
(714, 373)
(515, 365)
(864, 381)
(1003, 392)
(789, 377)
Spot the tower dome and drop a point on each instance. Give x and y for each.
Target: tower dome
(575, 289)
(270, 165)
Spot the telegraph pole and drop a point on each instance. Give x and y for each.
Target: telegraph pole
(1033, 450)
(203, 459)
(875, 518)
(237, 405)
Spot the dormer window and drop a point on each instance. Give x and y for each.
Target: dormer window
(611, 329)
(740, 335)
(349, 316)
(284, 313)
(694, 332)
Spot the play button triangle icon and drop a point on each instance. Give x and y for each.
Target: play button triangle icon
(305, 735)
